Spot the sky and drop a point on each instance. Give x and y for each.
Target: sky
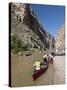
(50, 16)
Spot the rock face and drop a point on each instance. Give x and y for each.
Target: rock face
(25, 25)
(60, 38)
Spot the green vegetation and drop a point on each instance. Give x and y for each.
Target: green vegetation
(17, 45)
(53, 45)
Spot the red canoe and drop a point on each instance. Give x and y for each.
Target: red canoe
(37, 73)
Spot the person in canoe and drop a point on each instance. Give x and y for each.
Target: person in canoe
(37, 65)
(45, 58)
(50, 58)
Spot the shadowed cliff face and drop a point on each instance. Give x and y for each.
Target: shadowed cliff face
(25, 25)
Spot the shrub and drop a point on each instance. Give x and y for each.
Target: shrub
(17, 45)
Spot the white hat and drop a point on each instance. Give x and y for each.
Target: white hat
(45, 56)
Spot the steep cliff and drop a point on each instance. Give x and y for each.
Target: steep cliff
(25, 25)
(60, 38)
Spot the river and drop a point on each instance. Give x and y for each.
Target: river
(22, 66)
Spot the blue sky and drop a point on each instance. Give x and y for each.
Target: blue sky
(51, 16)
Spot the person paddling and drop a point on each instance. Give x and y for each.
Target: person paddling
(37, 65)
(45, 58)
(50, 58)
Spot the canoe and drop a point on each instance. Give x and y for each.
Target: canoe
(37, 73)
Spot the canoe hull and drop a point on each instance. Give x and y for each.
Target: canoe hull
(38, 73)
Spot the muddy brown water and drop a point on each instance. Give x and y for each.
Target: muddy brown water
(21, 71)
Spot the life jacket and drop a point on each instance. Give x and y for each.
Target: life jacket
(37, 65)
